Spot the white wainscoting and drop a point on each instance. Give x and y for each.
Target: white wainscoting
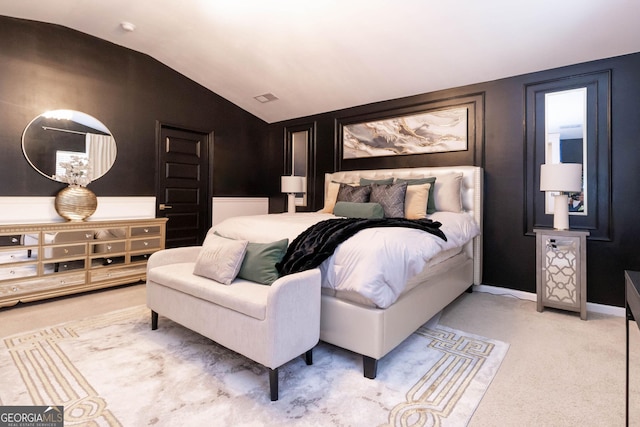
(227, 207)
(41, 209)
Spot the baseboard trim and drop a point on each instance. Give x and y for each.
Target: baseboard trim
(529, 296)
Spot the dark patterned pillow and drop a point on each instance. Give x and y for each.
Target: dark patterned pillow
(355, 194)
(391, 197)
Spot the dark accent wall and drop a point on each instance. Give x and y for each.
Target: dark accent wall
(571, 150)
(45, 67)
(509, 254)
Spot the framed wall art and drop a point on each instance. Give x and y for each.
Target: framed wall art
(434, 131)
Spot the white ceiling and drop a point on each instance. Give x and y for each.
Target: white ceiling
(324, 55)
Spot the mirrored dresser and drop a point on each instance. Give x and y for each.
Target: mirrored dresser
(39, 261)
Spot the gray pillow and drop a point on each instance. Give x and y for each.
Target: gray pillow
(259, 264)
(358, 210)
(390, 197)
(349, 193)
(431, 203)
(220, 258)
(447, 194)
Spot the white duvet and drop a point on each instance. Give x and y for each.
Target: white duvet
(375, 262)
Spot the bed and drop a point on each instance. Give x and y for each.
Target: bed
(373, 324)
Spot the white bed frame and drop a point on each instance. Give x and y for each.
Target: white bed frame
(374, 332)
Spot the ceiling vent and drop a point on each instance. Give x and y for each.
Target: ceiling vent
(267, 97)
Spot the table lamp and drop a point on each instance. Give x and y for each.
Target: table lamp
(292, 185)
(564, 178)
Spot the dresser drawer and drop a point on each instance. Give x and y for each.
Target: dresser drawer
(13, 255)
(13, 240)
(68, 236)
(145, 230)
(110, 233)
(104, 274)
(51, 252)
(107, 261)
(26, 286)
(143, 257)
(145, 244)
(63, 266)
(108, 247)
(18, 271)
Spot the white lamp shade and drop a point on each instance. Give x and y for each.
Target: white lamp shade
(561, 177)
(292, 184)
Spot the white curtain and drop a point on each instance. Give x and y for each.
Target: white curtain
(101, 150)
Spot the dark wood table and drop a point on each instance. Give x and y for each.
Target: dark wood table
(632, 303)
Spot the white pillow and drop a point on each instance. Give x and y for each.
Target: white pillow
(220, 258)
(415, 201)
(332, 195)
(447, 192)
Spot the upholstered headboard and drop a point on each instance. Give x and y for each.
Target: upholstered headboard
(471, 194)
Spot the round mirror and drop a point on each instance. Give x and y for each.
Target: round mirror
(55, 137)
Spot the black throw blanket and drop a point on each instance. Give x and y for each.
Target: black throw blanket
(319, 241)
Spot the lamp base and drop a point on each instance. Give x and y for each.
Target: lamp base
(291, 203)
(560, 212)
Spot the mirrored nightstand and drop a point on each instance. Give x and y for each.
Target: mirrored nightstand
(561, 270)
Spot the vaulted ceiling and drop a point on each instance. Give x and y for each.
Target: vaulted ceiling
(316, 56)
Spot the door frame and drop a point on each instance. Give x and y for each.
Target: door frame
(209, 139)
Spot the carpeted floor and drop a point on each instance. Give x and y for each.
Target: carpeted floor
(111, 369)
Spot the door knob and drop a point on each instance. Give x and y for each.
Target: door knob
(163, 206)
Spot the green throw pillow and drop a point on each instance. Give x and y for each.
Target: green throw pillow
(259, 264)
(431, 202)
(367, 181)
(358, 210)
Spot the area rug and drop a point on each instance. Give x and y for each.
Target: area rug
(113, 370)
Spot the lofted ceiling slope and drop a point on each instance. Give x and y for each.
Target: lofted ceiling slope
(323, 55)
